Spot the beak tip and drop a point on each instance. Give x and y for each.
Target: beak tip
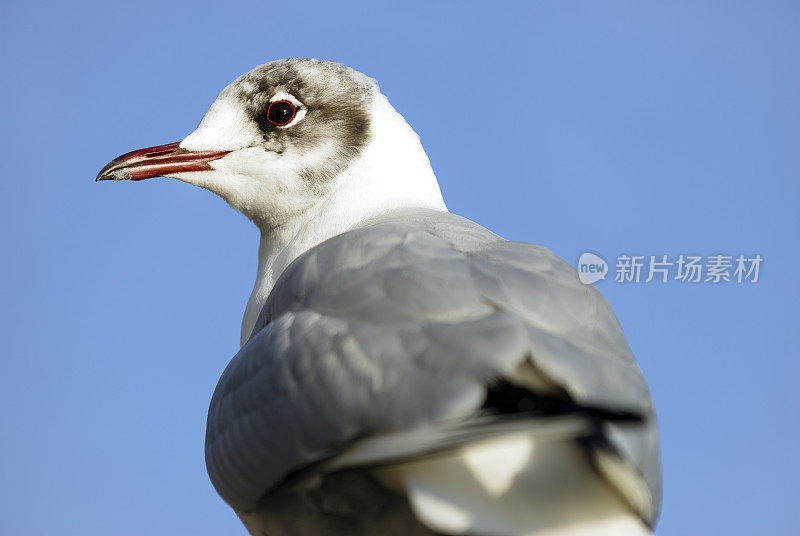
(113, 173)
(107, 173)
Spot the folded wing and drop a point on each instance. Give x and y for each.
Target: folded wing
(426, 323)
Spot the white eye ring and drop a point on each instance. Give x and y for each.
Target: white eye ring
(300, 109)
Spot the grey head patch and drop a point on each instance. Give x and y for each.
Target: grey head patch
(336, 101)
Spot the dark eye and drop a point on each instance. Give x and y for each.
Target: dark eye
(281, 112)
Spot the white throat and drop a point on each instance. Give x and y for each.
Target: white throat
(392, 172)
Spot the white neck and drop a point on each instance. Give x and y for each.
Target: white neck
(392, 172)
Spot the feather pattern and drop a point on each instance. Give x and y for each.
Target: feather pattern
(404, 324)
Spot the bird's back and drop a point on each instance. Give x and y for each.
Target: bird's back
(420, 363)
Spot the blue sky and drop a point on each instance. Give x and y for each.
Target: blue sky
(625, 127)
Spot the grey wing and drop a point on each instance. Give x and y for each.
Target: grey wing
(407, 323)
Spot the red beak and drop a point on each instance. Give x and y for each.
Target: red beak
(157, 162)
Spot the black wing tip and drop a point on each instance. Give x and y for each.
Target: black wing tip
(506, 398)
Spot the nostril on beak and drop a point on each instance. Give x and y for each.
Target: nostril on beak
(157, 153)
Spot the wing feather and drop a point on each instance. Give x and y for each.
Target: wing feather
(403, 324)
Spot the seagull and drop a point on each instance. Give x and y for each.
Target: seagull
(402, 370)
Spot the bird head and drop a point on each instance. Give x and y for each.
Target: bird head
(289, 135)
